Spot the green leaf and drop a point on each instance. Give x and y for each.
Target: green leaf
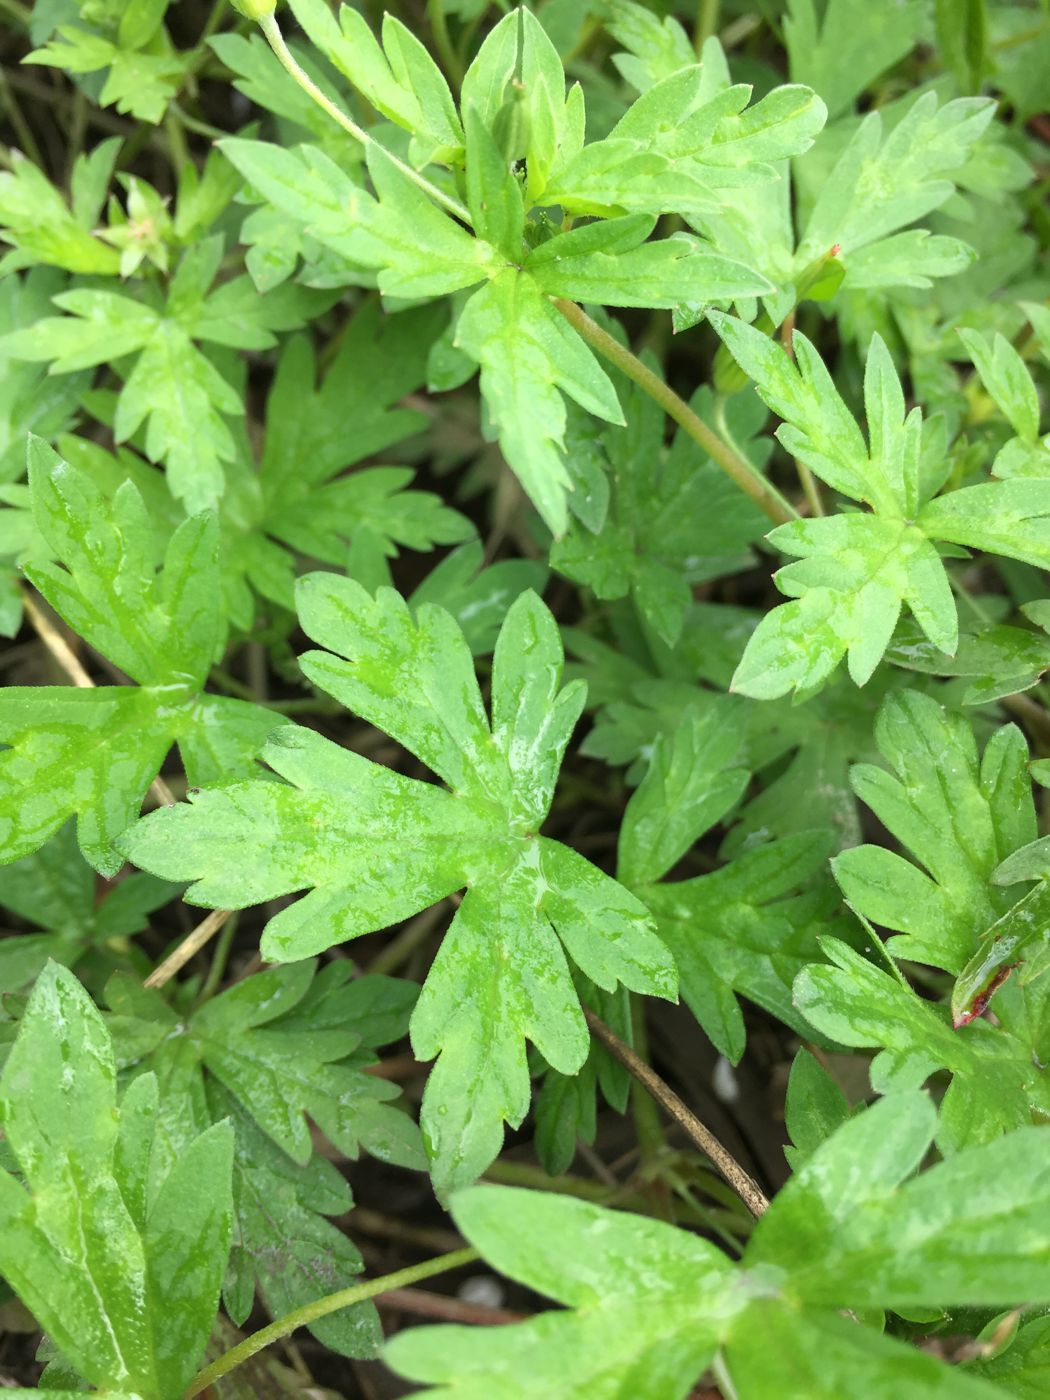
(39, 223)
(857, 571)
(962, 37)
(399, 79)
(961, 1231)
(882, 183)
(818, 1357)
(610, 263)
(996, 1085)
(646, 1307)
(658, 48)
(896, 167)
(1003, 517)
(516, 85)
(849, 46)
(529, 357)
(416, 249)
(1005, 376)
(172, 388)
(478, 597)
(316, 431)
(108, 325)
(1019, 937)
(493, 193)
(566, 1104)
(161, 630)
(281, 1072)
(501, 974)
(181, 398)
(674, 519)
(54, 889)
(805, 753)
(959, 818)
(94, 752)
(1023, 1368)
(274, 1046)
(748, 928)
(855, 574)
(264, 82)
(688, 787)
(30, 402)
(125, 1284)
(138, 83)
(814, 1108)
(818, 428)
(283, 1247)
(680, 150)
(997, 660)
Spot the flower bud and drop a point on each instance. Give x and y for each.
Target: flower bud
(255, 9)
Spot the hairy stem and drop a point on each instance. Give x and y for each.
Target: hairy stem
(322, 1307)
(752, 483)
(728, 1167)
(272, 30)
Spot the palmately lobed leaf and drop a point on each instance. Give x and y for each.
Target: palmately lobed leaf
(404, 845)
(960, 817)
(857, 570)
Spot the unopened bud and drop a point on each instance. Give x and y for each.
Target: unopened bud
(255, 9)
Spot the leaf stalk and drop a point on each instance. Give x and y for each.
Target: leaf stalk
(741, 472)
(272, 32)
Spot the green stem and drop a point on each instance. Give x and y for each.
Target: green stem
(272, 30)
(194, 124)
(401, 948)
(21, 13)
(322, 1307)
(218, 960)
(443, 42)
(626, 1197)
(23, 130)
(706, 22)
(178, 147)
(752, 483)
(536, 1179)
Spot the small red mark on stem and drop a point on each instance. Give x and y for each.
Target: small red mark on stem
(979, 1005)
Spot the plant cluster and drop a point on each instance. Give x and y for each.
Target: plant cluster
(534, 520)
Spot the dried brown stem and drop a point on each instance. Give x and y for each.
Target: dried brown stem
(190, 945)
(63, 654)
(723, 1160)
